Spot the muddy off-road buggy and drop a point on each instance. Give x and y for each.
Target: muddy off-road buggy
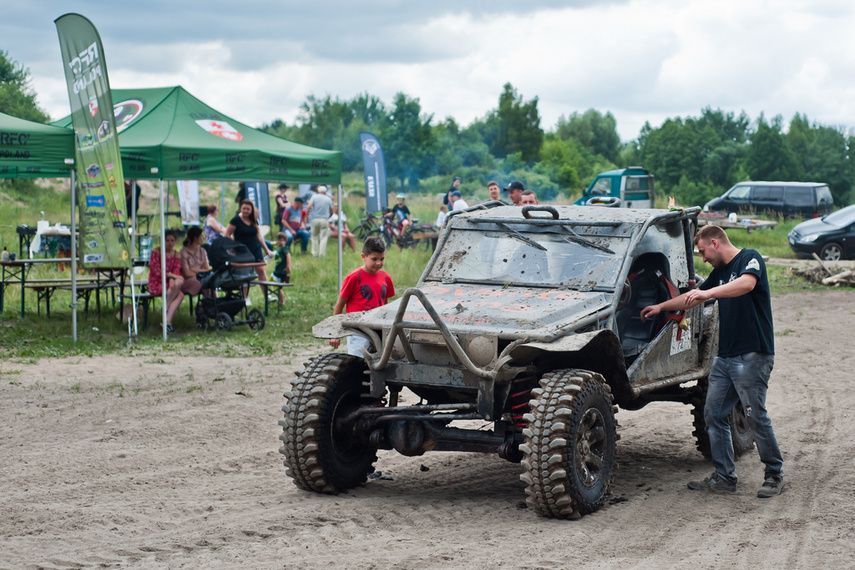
(528, 318)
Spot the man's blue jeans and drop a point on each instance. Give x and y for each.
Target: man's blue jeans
(302, 234)
(742, 378)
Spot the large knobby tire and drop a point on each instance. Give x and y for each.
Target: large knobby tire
(321, 454)
(740, 433)
(570, 444)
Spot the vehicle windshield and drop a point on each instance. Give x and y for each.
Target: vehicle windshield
(842, 217)
(582, 258)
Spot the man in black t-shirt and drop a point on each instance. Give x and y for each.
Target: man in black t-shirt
(746, 355)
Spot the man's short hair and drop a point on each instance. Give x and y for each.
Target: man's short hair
(529, 193)
(282, 235)
(298, 199)
(373, 245)
(493, 183)
(709, 232)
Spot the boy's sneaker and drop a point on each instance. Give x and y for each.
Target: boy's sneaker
(772, 486)
(169, 329)
(272, 297)
(713, 483)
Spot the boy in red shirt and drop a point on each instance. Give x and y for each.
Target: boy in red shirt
(366, 288)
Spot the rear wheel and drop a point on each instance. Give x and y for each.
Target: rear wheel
(224, 322)
(201, 321)
(570, 444)
(322, 453)
(740, 433)
(255, 319)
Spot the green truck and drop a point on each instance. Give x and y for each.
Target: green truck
(630, 187)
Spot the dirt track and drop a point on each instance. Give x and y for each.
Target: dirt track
(149, 463)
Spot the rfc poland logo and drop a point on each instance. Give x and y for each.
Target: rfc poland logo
(370, 146)
(221, 129)
(93, 106)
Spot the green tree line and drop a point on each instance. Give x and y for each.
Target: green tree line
(693, 158)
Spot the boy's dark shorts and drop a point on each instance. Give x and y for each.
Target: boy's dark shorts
(282, 277)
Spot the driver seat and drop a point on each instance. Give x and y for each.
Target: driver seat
(648, 287)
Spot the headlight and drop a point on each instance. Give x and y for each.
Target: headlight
(810, 238)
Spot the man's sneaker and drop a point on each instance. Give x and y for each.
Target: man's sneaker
(713, 483)
(771, 486)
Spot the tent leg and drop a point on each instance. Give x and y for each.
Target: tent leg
(162, 260)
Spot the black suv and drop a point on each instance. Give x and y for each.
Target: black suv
(791, 199)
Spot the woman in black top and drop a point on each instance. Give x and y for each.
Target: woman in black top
(243, 228)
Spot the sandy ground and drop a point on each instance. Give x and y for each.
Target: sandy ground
(146, 462)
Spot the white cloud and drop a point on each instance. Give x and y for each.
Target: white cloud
(643, 60)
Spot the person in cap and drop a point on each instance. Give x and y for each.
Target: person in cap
(457, 201)
(400, 213)
(455, 184)
(319, 212)
(528, 198)
(515, 190)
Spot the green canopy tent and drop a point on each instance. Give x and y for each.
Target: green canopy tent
(168, 134)
(34, 150)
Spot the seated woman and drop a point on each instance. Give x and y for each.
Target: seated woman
(346, 235)
(194, 260)
(174, 280)
(213, 228)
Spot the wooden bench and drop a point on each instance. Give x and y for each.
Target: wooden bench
(45, 288)
(84, 290)
(278, 285)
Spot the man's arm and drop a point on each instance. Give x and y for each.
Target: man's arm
(743, 284)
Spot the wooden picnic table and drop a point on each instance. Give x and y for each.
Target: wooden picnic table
(15, 272)
(747, 223)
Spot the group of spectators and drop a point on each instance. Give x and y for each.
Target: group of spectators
(453, 198)
(182, 269)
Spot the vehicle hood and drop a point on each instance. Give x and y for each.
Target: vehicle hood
(508, 312)
(813, 226)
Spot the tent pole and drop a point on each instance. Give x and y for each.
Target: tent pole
(162, 262)
(340, 225)
(222, 201)
(133, 324)
(73, 256)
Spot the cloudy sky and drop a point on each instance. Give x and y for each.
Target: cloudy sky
(643, 60)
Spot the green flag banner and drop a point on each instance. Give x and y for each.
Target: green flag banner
(101, 196)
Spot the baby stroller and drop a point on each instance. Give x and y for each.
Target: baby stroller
(232, 268)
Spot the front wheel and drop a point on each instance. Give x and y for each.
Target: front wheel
(831, 252)
(255, 319)
(570, 444)
(324, 453)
